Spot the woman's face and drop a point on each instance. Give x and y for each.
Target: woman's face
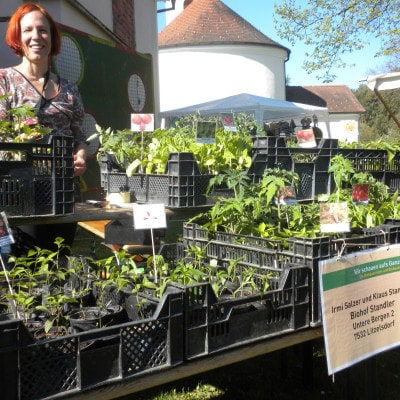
(35, 36)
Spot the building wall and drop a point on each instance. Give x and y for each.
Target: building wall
(7, 57)
(134, 20)
(101, 9)
(191, 75)
(172, 14)
(147, 41)
(123, 21)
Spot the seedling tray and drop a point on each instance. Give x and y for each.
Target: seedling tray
(314, 178)
(214, 324)
(267, 253)
(39, 180)
(182, 185)
(52, 368)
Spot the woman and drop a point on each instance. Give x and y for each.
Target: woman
(33, 35)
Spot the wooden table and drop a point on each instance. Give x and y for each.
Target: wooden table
(194, 367)
(86, 212)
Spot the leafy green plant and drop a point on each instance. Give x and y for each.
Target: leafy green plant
(231, 150)
(21, 125)
(53, 307)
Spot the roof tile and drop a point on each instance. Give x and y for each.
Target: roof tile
(211, 21)
(337, 98)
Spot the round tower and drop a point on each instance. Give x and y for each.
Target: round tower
(208, 52)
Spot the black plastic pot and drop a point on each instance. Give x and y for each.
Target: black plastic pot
(139, 306)
(87, 318)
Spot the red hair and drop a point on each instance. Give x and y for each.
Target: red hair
(13, 34)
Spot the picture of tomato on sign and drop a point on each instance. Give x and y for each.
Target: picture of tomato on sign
(142, 122)
(228, 122)
(360, 193)
(306, 138)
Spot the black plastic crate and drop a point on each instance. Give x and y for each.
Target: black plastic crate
(40, 178)
(66, 365)
(182, 185)
(314, 178)
(212, 325)
(308, 252)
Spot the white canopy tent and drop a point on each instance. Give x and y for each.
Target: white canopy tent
(263, 108)
(385, 82)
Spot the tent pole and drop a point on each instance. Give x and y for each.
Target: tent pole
(387, 107)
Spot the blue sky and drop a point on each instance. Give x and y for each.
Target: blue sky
(260, 14)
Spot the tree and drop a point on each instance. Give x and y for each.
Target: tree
(335, 27)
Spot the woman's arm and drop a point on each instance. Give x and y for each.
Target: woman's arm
(80, 160)
(4, 106)
(79, 137)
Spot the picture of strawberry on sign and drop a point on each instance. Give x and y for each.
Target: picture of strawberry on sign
(142, 122)
(306, 138)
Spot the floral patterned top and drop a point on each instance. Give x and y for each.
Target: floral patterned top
(64, 113)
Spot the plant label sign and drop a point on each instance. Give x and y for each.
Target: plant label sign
(228, 122)
(6, 236)
(205, 132)
(306, 138)
(149, 216)
(360, 193)
(334, 217)
(287, 196)
(360, 299)
(142, 122)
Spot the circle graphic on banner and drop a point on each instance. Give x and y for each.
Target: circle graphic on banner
(89, 128)
(136, 93)
(69, 62)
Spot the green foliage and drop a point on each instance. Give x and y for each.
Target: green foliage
(20, 125)
(376, 123)
(333, 28)
(257, 202)
(149, 153)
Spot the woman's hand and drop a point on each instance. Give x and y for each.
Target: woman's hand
(80, 161)
(79, 165)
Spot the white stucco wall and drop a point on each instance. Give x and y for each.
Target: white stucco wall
(172, 14)
(191, 75)
(7, 58)
(101, 9)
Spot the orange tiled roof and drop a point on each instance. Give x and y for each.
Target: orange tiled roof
(337, 98)
(211, 21)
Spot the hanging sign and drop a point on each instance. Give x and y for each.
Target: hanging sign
(149, 216)
(6, 237)
(360, 299)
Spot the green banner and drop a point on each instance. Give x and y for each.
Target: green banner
(333, 280)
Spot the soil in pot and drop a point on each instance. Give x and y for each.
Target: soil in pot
(87, 318)
(138, 307)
